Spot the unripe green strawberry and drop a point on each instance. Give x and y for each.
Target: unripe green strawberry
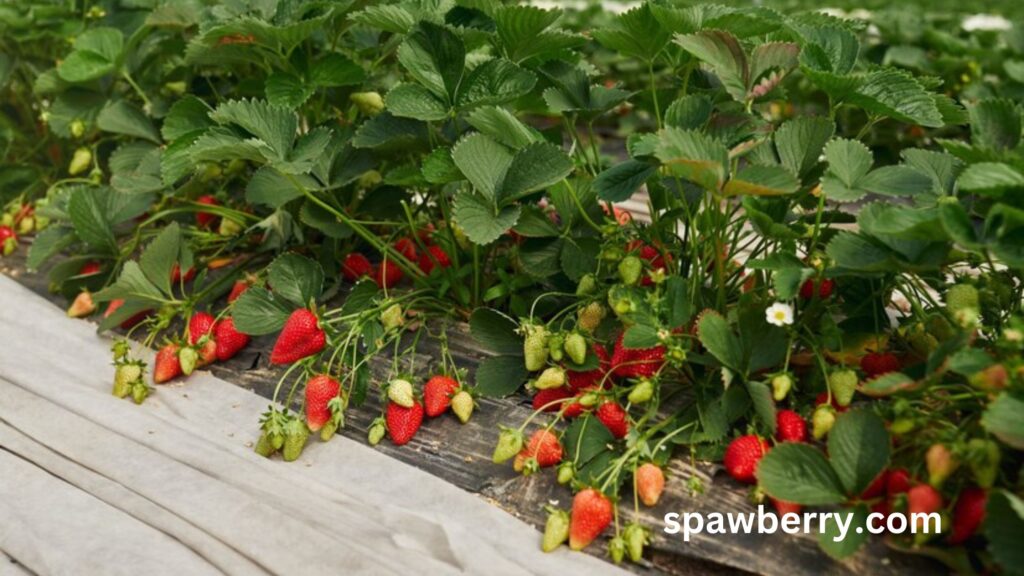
(140, 391)
(369, 103)
(589, 400)
(330, 428)
(77, 128)
(400, 392)
(576, 347)
(555, 347)
(822, 420)
(984, 457)
(263, 446)
(535, 347)
(552, 377)
(566, 472)
(781, 385)
(26, 225)
(188, 357)
(590, 316)
(229, 227)
(376, 432)
(510, 442)
(642, 392)
(556, 530)
(636, 538)
(462, 405)
(941, 463)
(392, 317)
(843, 383)
(617, 549)
(276, 439)
(587, 285)
(80, 161)
(962, 297)
(295, 435)
(630, 269)
(125, 376)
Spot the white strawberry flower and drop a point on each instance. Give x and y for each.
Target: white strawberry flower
(779, 314)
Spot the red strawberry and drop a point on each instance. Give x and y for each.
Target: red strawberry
(130, 322)
(166, 366)
(790, 427)
(206, 219)
(651, 254)
(229, 340)
(877, 486)
(742, 456)
(575, 409)
(968, 514)
(320, 390)
(783, 507)
(355, 266)
(650, 483)
(591, 378)
(300, 337)
(614, 418)
(877, 363)
(548, 399)
(591, 513)
(636, 362)
(821, 398)
(89, 268)
(238, 289)
(433, 253)
(176, 274)
(544, 446)
(207, 354)
(897, 482)
(406, 247)
(388, 274)
(923, 499)
(403, 422)
(437, 395)
(825, 287)
(199, 325)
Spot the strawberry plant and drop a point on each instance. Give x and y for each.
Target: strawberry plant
(823, 290)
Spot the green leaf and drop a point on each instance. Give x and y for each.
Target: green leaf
(481, 220)
(415, 101)
(723, 53)
(635, 33)
(764, 406)
(888, 384)
(693, 156)
(896, 94)
(995, 124)
(942, 168)
(387, 17)
(501, 125)
(619, 182)
(296, 278)
(439, 168)
(715, 334)
(755, 180)
(677, 297)
(159, 258)
(86, 208)
(96, 54)
(858, 446)
(896, 181)
(800, 142)
(258, 312)
(287, 90)
(799, 473)
(523, 32)
(856, 252)
(587, 439)
(47, 244)
(388, 132)
(579, 257)
(186, 116)
(120, 117)
(1004, 523)
(132, 286)
(1003, 419)
(496, 81)
(848, 160)
(315, 216)
(535, 223)
(435, 56)
(857, 534)
(534, 168)
(269, 187)
(495, 331)
(499, 376)
(274, 125)
(641, 336)
(484, 162)
(334, 70)
(691, 112)
(991, 178)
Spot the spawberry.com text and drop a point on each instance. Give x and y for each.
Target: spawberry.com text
(839, 524)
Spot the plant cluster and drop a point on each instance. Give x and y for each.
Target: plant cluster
(826, 297)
